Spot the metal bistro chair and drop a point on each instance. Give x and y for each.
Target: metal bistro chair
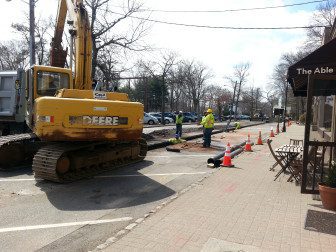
(296, 142)
(277, 158)
(297, 164)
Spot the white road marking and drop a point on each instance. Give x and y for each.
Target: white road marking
(115, 176)
(18, 180)
(69, 224)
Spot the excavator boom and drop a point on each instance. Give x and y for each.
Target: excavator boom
(80, 32)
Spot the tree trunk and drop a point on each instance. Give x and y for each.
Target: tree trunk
(237, 100)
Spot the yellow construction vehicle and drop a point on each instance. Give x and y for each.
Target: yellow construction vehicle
(77, 132)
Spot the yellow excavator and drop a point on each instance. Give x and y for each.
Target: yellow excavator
(76, 132)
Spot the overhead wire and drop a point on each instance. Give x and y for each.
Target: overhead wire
(230, 10)
(221, 27)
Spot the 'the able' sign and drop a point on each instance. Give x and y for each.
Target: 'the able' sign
(318, 70)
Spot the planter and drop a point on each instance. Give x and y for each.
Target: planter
(328, 197)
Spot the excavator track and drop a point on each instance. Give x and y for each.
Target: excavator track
(67, 162)
(16, 150)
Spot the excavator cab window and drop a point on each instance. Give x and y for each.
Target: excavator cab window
(49, 82)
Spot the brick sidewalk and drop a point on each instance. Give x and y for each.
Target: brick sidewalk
(235, 209)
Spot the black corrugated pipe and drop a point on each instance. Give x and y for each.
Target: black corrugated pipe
(216, 160)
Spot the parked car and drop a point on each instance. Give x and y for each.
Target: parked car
(194, 114)
(149, 119)
(170, 115)
(244, 117)
(188, 117)
(167, 120)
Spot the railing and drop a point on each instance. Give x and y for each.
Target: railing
(317, 160)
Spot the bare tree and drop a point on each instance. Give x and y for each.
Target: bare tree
(280, 70)
(197, 76)
(218, 98)
(43, 35)
(106, 26)
(323, 16)
(238, 79)
(13, 55)
(161, 68)
(175, 83)
(271, 98)
(251, 99)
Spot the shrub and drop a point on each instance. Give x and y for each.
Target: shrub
(331, 178)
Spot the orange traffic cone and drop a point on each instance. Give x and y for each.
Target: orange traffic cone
(277, 129)
(248, 144)
(259, 142)
(272, 133)
(227, 157)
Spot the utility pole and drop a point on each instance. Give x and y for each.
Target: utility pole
(232, 103)
(163, 100)
(285, 111)
(32, 32)
(146, 94)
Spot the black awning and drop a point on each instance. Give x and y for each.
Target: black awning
(320, 62)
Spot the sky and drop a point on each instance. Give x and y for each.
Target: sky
(220, 50)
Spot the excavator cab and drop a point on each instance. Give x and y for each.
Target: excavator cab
(44, 81)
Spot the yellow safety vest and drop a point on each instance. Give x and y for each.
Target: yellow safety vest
(209, 121)
(203, 120)
(179, 119)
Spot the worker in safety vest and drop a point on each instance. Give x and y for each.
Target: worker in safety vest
(203, 120)
(208, 124)
(179, 121)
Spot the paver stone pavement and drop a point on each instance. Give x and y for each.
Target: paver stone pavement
(237, 209)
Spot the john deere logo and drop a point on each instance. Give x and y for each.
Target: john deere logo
(98, 120)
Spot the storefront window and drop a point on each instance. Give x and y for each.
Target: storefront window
(328, 108)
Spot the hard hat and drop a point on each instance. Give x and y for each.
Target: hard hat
(180, 112)
(209, 110)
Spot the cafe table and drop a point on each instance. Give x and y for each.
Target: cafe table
(288, 153)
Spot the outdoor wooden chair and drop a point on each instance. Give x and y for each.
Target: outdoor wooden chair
(297, 164)
(277, 157)
(296, 142)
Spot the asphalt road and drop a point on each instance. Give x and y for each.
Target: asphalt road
(41, 215)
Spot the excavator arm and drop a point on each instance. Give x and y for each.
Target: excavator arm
(80, 32)
(57, 53)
